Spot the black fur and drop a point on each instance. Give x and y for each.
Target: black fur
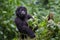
(21, 22)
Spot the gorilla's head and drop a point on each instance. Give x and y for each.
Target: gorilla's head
(21, 11)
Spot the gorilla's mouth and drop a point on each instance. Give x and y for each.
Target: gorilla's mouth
(21, 15)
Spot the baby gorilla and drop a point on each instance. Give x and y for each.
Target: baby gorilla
(21, 22)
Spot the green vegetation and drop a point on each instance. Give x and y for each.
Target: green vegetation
(38, 10)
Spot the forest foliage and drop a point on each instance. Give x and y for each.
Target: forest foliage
(39, 9)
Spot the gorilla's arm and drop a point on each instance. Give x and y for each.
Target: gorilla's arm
(28, 16)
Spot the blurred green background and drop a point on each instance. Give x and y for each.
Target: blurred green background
(39, 9)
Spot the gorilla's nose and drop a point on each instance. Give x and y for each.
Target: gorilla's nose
(23, 12)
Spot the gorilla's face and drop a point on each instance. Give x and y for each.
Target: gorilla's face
(21, 11)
